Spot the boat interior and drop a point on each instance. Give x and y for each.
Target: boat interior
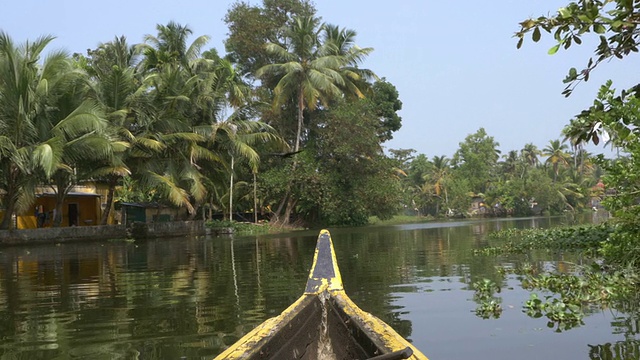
(319, 328)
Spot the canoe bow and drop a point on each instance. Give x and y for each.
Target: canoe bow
(323, 323)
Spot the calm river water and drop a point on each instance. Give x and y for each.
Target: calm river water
(188, 298)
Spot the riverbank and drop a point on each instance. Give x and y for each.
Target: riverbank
(400, 219)
(136, 231)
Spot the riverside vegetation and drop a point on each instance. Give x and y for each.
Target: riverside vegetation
(563, 298)
(245, 228)
(612, 281)
(265, 128)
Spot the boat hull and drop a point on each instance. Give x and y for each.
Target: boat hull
(323, 324)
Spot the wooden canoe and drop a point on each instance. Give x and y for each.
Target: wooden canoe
(323, 324)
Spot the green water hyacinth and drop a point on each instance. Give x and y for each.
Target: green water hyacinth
(561, 315)
(489, 306)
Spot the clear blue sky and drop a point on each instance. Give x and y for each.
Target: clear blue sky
(454, 63)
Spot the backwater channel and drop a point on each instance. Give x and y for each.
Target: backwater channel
(189, 298)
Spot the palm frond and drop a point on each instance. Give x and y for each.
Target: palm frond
(183, 136)
(193, 52)
(120, 170)
(86, 118)
(174, 193)
(47, 156)
(149, 143)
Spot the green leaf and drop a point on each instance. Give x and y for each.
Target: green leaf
(573, 73)
(567, 42)
(623, 133)
(599, 28)
(564, 13)
(616, 25)
(553, 50)
(536, 34)
(584, 18)
(519, 45)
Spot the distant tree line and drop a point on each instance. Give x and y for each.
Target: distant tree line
(527, 182)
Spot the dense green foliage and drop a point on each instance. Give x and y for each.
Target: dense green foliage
(517, 183)
(371, 188)
(585, 237)
(476, 160)
(251, 26)
(288, 124)
(614, 116)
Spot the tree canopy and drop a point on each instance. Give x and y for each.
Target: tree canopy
(289, 123)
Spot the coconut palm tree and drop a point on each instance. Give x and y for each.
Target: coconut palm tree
(173, 98)
(530, 154)
(220, 90)
(312, 71)
(308, 72)
(556, 155)
(441, 170)
(341, 42)
(572, 189)
(28, 88)
(114, 82)
(582, 159)
(82, 139)
(436, 179)
(184, 134)
(170, 47)
(232, 138)
(166, 151)
(238, 138)
(510, 163)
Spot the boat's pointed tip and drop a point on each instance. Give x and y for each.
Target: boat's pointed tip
(324, 272)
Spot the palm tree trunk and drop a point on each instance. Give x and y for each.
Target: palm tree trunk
(231, 191)
(63, 186)
(10, 197)
(255, 199)
(290, 201)
(7, 222)
(107, 209)
(57, 215)
(300, 120)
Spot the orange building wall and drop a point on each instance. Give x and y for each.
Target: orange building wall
(88, 211)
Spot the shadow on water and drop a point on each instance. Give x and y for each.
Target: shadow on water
(192, 297)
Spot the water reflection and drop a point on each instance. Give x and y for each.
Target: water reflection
(192, 297)
(615, 351)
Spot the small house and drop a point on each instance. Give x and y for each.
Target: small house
(478, 206)
(148, 212)
(78, 209)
